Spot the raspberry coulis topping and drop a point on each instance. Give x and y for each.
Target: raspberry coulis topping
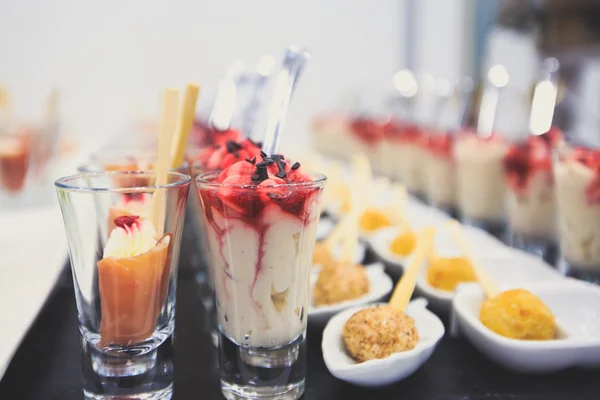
(524, 159)
(441, 144)
(249, 187)
(222, 156)
(204, 134)
(126, 221)
(591, 159)
(404, 132)
(368, 130)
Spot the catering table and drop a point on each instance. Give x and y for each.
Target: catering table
(47, 365)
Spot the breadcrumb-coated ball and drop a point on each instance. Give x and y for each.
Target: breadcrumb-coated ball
(379, 332)
(518, 314)
(339, 283)
(404, 243)
(372, 219)
(322, 255)
(447, 273)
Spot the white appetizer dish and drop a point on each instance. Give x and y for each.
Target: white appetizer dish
(515, 269)
(380, 287)
(576, 306)
(381, 372)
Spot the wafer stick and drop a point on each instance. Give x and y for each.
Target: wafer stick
(406, 286)
(485, 280)
(184, 124)
(167, 129)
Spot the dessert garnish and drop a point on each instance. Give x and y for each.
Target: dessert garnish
(515, 314)
(379, 332)
(132, 277)
(523, 159)
(446, 273)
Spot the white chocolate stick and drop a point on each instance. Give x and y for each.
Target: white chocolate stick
(167, 130)
(406, 285)
(457, 233)
(184, 124)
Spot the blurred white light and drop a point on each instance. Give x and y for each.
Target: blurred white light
(443, 88)
(542, 108)
(498, 76)
(427, 83)
(235, 69)
(265, 65)
(405, 82)
(224, 105)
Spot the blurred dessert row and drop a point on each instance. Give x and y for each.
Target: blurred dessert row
(533, 189)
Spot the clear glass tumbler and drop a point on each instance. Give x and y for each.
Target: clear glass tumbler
(261, 240)
(577, 177)
(480, 185)
(530, 197)
(124, 262)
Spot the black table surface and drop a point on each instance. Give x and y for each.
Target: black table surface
(47, 365)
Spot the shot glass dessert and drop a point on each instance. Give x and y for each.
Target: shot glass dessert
(577, 177)
(125, 279)
(261, 217)
(530, 198)
(24, 154)
(403, 156)
(440, 173)
(480, 180)
(365, 136)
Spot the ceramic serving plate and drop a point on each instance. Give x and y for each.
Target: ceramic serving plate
(576, 306)
(388, 370)
(380, 283)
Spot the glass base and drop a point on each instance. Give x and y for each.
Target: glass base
(260, 373)
(235, 392)
(542, 247)
(583, 273)
(164, 394)
(148, 376)
(494, 228)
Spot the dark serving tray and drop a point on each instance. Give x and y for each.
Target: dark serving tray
(47, 365)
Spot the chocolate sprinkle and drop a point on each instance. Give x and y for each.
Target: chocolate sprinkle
(263, 154)
(253, 161)
(233, 147)
(249, 160)
(295, 166)
(263, 163)
(261, 174)
(278, 159)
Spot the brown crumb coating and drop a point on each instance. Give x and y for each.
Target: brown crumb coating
(339, 283)
(379, 332)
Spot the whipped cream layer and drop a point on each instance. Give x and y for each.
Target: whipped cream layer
(130, 237)
(579, 218)
(480, 177)
(440, 180)
(261, 239)
(531, 210)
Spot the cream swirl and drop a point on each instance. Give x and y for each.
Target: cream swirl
(131, 236)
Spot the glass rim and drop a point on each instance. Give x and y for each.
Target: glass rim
(94, 168)
(202, 181)
(63, 185)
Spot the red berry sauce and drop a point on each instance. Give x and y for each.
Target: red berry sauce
(524, 159)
